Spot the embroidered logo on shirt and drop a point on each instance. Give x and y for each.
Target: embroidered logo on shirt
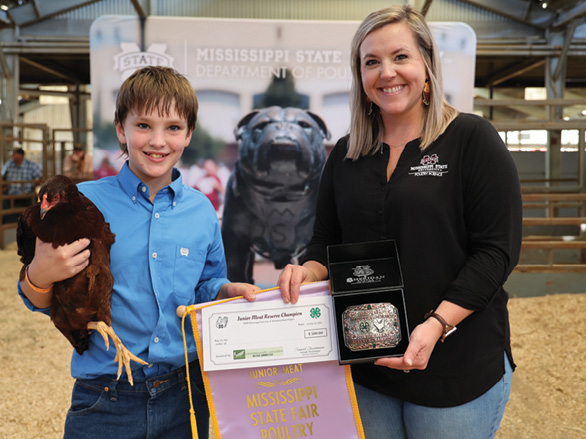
(429, 167)
(184, 251)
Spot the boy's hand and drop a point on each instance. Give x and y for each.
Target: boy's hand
(51, 265)
(235, 289)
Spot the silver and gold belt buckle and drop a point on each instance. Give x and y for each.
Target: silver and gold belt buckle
(371, 326)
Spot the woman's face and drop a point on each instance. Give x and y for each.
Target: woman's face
(393, 71)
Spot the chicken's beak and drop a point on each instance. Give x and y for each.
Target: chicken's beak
(45, 206)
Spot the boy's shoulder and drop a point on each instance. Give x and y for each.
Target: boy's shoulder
(193, 193)
(100, 184)
(104, 187)
(198, 199)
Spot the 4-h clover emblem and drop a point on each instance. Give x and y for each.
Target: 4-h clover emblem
(314, 313)
(364, 327)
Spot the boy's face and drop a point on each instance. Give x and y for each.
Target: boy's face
(155, 143)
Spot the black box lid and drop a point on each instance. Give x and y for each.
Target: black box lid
(365, 266)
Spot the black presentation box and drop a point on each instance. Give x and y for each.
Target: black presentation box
(369, 303)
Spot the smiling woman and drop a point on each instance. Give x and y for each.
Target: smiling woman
(393, 76)
(415, 170)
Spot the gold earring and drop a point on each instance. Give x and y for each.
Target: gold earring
(426, 93)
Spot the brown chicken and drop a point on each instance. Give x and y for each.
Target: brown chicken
(81, 303)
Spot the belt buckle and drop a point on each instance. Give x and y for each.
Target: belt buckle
(371, 326)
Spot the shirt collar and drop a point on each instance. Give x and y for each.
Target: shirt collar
(134, 186)
(176, 185)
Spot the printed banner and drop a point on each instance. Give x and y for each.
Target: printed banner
(309, 400)
(237, 65)
(273, 100)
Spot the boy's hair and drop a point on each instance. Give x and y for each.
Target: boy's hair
(156, 88)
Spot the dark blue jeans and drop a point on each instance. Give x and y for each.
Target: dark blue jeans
(156, 408)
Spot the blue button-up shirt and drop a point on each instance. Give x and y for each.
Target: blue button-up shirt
(167, 253)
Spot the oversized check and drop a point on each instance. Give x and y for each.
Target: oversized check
(257, 334)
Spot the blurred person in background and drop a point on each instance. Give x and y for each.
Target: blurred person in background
(19, 169)
(78, 165)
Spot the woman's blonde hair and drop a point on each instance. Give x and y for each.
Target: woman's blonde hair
(156, 88)
(366, 130)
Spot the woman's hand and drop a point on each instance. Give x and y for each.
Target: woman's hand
(424, 338)
(293, 276)
(422, 341)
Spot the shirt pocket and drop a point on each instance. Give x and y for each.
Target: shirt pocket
(188, 266)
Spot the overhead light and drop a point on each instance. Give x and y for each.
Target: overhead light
(544, 5)
(4, 7)
(583, 112)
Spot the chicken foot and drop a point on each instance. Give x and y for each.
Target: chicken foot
(123, 355)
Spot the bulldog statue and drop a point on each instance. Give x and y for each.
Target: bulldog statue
(271, 194)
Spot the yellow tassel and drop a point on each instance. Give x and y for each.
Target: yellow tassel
(191, 410)
(193, 423)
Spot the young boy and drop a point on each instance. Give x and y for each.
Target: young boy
(168, 252)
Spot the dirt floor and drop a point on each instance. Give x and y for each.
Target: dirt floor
(549, 387)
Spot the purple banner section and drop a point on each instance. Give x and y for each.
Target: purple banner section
(311, 400)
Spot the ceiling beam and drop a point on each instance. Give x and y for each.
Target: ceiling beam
(512, 72)
(53, 47)
(566, 17)
(4, 65)
(40, 10)
(49, 70)
(4, 19)
(36, 8)
(426, 7)
(521, 12)
(568, 36)
(138, 8)
(30, 92)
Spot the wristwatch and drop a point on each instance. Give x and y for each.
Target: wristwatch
(448, 329)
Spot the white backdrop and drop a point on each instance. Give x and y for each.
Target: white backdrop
(229, 62)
